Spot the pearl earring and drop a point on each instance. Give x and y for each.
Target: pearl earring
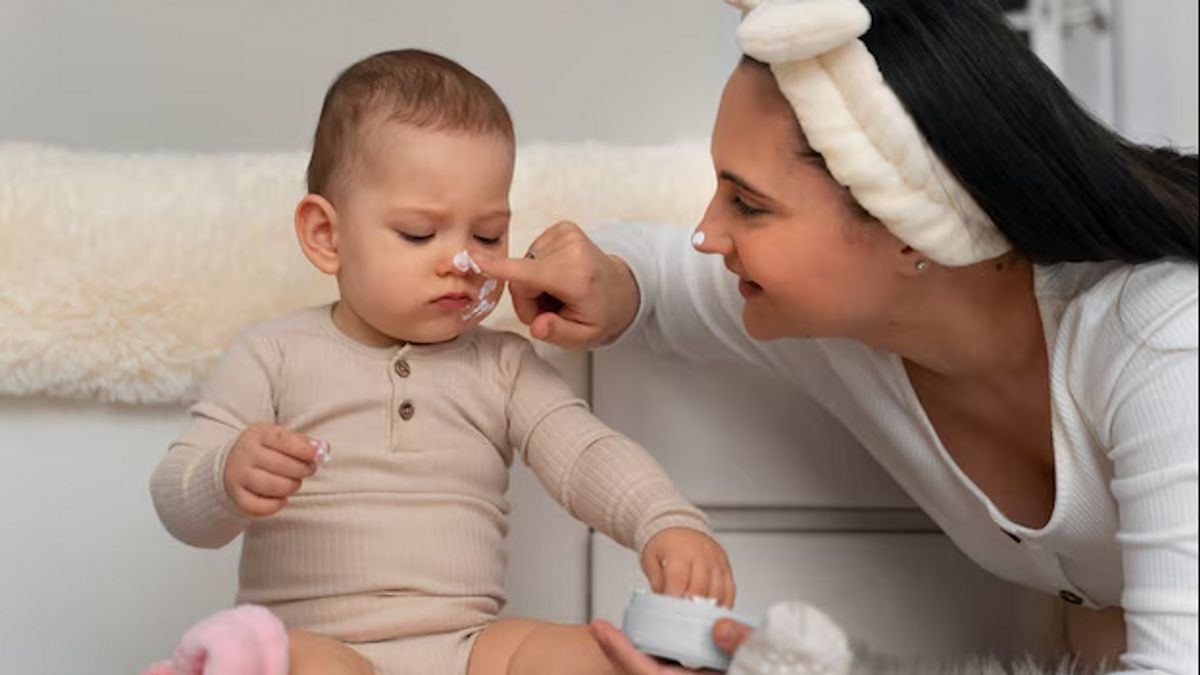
(698, 239)
(922, 265)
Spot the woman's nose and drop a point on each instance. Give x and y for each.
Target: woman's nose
(710, 239)
(710, 236)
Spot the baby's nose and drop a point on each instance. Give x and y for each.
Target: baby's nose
(463, 263)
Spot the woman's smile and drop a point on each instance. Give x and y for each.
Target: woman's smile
(748, 288)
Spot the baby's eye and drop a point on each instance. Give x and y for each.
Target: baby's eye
(487, 241)
(416, 238)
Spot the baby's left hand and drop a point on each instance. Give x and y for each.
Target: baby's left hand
(686, 563)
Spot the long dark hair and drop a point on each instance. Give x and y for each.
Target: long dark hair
(1061, 185)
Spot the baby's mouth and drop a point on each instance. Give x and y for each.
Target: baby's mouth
(454, 301)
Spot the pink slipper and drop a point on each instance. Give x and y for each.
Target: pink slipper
(246, 640)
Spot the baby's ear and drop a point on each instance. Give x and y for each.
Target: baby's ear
(316, 230)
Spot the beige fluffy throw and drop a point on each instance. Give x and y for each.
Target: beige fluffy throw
(124, 276)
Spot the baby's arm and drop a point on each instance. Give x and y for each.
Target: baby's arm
(599, 476)
(611, 483)
(188, 484)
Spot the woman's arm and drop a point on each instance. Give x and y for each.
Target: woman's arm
(653, 290)
(689, 305)
(1143, 398)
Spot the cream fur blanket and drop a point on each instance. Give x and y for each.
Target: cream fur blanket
(123, 276)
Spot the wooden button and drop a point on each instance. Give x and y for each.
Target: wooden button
(1070, 597)
(403, 369)
(407, 410)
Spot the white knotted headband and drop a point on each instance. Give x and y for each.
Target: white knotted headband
(854, 120)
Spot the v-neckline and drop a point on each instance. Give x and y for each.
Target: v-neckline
(1049, 323)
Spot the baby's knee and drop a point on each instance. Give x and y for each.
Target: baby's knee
(313, 654)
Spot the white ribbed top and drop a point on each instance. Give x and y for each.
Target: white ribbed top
(1122, 344)
(402, 531)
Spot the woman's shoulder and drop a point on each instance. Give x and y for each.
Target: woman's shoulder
(1151, 304)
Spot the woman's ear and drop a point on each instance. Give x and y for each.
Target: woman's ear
(911, 262)
(316, 230)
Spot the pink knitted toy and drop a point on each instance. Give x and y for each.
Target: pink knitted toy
(247, 640)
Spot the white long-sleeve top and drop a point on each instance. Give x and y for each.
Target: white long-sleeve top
(1122, 344)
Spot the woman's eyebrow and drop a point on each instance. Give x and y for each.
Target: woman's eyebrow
(741, 182)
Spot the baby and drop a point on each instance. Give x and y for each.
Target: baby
(363, 448)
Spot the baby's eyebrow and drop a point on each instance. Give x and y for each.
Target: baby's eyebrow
(401, 211)
(498, 213)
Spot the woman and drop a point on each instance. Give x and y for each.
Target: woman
(997, 294)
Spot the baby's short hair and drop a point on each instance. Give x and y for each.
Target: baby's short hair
(409, 86)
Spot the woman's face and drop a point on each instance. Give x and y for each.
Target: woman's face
(811, 262)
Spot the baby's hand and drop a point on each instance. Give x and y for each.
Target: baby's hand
(686, 563)
(267, 464)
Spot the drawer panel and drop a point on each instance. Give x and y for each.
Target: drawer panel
(734, 437)
(901, 594)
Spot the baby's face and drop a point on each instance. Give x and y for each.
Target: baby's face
(417, 198)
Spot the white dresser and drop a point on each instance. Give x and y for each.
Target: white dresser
(804, 512)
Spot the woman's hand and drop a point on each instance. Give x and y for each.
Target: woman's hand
(687, 563)
(728, 635)
(568, 291)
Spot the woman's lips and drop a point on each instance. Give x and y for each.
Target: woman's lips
(748, 289)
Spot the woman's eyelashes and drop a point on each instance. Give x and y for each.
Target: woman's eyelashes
(745, 208)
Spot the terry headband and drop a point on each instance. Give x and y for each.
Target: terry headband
(853, 119)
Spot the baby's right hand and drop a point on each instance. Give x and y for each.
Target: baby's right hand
(266, 465)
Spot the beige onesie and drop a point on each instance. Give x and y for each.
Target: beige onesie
(397, 545)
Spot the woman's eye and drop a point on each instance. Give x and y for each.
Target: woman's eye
(487, 241)
(416, 238)
(745, 208)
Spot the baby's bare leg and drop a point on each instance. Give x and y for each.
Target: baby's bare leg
(313, 654)
(526, 647)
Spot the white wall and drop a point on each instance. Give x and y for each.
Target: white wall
(231, 74)
(1157, 59)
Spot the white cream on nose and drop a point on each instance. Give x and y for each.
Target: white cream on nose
(484, 304)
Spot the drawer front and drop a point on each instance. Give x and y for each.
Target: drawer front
(732, 436)
(900, 594)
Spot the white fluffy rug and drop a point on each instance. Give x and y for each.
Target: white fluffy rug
(123, 277)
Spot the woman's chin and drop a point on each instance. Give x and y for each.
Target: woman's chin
(764, 325)
(758, 327)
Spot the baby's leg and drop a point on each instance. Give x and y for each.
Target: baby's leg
(313, 654)
(527, 647)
